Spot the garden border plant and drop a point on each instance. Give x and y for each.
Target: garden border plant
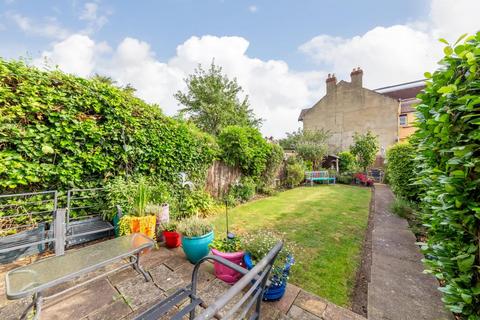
(448, 156)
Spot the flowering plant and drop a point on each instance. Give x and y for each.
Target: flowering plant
(226, 244)
(363, 179)
(258, 245)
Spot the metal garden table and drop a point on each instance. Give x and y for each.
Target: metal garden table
(33, 279)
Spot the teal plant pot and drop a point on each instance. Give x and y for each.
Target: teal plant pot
(197, 247)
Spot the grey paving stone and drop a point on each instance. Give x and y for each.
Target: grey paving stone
(165, 278)
(115, 310)
(14, 310)
(300, 314)
(137, 291)
(311, 303)
(398, 288)
(80, 302)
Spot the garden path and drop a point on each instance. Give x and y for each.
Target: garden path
(124, 294)
(398, 288)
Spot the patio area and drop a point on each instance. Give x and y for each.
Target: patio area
(125, 294)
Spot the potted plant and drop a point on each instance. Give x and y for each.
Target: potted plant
(170, 234)
(139, 219)
(230, 249)
(256, 246)
(196, 236)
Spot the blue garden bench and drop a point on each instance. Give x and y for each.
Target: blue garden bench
(313, 176)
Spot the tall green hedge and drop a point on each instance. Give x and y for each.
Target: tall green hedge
(59, 131)
(246, 148)
(401, 170)
(448, 151)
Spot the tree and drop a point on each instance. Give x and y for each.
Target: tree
(212, 101)
(347, 161)
(365, 148)
(311, 145)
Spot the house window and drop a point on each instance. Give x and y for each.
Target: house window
(403, 120)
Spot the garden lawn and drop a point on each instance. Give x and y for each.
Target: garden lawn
(328, 224)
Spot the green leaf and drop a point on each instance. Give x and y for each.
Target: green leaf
(47, 149)
(443, 41)
(427, 75)
(466, 264)
(448, 50)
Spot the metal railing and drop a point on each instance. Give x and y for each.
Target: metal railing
(85, 211)
(26, 223)
(247, 305)
(31, 222)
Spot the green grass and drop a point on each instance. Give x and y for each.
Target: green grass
(327, 223)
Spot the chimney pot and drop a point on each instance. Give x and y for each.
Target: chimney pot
(356, 77)
(331, 83)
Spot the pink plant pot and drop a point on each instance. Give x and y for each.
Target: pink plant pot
(225, 273)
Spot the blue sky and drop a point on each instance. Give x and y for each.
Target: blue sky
(275, 29)
(280, 51)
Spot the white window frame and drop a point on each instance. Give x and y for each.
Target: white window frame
(404, 116)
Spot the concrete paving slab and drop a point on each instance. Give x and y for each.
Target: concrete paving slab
(398, 288)
(138, 292)
(286, 302)
(311, 303)
(80, 302)
(115, 310)
(301, 314)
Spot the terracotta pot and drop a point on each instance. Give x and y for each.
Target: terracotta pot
(225, 273)
(172, 239)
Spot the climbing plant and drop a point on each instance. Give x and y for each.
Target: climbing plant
(59, 131)
(448, 156)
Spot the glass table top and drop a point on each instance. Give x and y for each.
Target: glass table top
(46, 273)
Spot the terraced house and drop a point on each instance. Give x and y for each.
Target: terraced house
(348, 107)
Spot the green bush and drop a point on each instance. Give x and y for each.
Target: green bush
(246, 148)
(58, 131)
(345, 178)
(295, 172)
(347, 162)
(401, 170)
(402, 207)
(272, 168)
(191, 203)
(124, 192)
(243, 191)
(447, 148)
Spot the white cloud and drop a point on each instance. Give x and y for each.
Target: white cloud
(398, 53)
(276, 93)
(388, 55)
(49, 28)
(76, 55)
(94, 18)
(253, 8)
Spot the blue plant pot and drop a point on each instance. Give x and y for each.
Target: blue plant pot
(273, 292)
(197, 247)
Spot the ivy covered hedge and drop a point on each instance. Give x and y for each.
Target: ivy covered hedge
(59, 131)
(448, 155)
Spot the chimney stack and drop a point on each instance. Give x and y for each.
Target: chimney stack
(331, 83)
(356, 75)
